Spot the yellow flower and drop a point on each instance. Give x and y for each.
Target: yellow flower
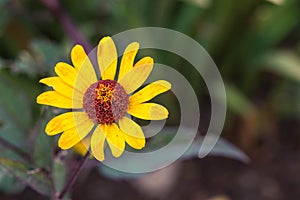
(100, 108)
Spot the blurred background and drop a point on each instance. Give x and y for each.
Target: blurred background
(254, 43)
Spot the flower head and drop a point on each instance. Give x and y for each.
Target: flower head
(101, 107)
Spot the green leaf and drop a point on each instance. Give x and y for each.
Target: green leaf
(43, 151)
(283, 63)
(277, 22)
(46, 52)
(187, 18)
(59, 172)
(16, 119)
(39, 58)
(17, 103)
(14, 103)
(43, 146)
(5, 15)
(35, 178)
(222, 148)
(9, 184)
(237, 102)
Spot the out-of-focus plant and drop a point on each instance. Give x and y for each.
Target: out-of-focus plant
(255, 43)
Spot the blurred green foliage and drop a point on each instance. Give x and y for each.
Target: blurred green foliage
(255, 44)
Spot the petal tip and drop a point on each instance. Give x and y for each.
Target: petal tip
(104, 39)
(39, 99)
(141, 145)
(99, 158)
(150, 59)
(166, 113)
(134, 45)
(117, 155)
(168, 85)
(42, 80)
(62, 146)
(76, 47)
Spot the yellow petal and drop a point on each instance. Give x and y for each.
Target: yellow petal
(97, 143)
(84, 66)
(133, 79)
(66, 72)
(144, 61)
(61, 87)
(134, 135)
(53, 98)
(83, 146)
(71, 137)
(78, 55)
(107, 58)
(150, 91)
(115, 139)
(65, 121)
(128, 58)
(71, 76)
(148, 111)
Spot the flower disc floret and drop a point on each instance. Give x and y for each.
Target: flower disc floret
(105, 102)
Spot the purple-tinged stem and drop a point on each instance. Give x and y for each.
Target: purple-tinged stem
(67, 24)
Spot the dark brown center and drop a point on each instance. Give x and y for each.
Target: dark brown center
(105, 102)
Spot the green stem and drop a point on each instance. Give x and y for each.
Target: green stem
(67, 23)
(74, 176)
(15, 149)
